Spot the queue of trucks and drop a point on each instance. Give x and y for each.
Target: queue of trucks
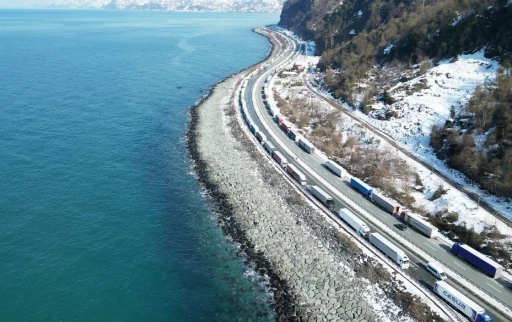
(350, 218)
(445, 291)
(412, 220)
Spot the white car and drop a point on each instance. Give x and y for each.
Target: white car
(436, 270)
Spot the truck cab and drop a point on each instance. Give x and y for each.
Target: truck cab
(404, 262)
(483, 317)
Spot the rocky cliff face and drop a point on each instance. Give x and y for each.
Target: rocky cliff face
(351, 33)
(176, 5)
(328, 22)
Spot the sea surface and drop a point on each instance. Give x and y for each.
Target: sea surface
(101, 218)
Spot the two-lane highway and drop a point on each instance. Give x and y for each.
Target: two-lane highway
(434, 248)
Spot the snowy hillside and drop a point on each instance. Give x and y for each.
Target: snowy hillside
(176, 5)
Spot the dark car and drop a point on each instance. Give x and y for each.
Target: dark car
(401, 227)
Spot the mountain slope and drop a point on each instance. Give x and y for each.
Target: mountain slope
(176, 5)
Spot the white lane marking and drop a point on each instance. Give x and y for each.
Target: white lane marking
(435, 250)
(493, 287)
(459, 266)
(408, 232)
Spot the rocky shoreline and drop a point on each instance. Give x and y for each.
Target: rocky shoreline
(222, 206)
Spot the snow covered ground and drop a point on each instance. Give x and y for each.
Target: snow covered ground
(447, 86)
(450, 85)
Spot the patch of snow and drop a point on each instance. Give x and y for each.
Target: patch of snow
(352, 32)
(450, 84)
(359, 13)
(388, 49)
(457, 19)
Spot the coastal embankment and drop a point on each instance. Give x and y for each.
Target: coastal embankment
(255, 207)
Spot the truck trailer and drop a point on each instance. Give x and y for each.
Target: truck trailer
(334, 168)
(280, 158)
(252, 127)
(353, 221)
(285, 126)
(296, 174)
(292, 134)
(323, 197)
(362, 187)
(477, 259)
(419, 224)
(459, 301)
(306, 145)
(385, 203)
(396, 254)
(261, 137)
(278, 119)
(269, 147)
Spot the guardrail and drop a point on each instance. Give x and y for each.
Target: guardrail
(417, 250)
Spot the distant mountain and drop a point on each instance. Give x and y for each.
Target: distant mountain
(176, 5)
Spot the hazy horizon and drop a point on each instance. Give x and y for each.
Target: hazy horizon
(22, 3)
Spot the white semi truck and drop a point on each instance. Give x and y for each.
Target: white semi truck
(396, 254)
(353, 221)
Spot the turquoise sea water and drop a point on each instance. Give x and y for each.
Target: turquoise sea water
(100, 217)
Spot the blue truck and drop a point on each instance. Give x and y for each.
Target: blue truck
(477, 259)
(362, 187)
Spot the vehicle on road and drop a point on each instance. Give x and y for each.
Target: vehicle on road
(280, 159)
(261, 137)
(419, 224)
(362, 187)
(323, 197)
(293, 133)
(334, 168)
(396, 254)
(254, 129)
(296, 174)
(385, 203)
(353, 221)
(459, 301)
(285, 126)
(269, 147)
(477, 259)
(400, 227)
(306, 145)
(436, 270)
(278, 119)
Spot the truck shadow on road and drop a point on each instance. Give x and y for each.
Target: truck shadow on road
(445, 247)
